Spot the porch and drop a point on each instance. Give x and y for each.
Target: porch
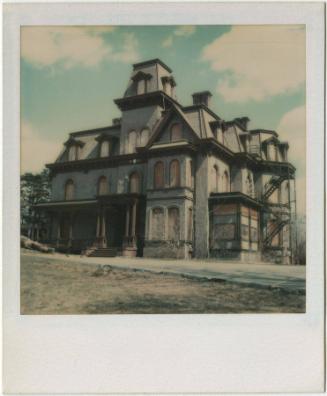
(109, 225)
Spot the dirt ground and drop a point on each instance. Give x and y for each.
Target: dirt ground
(51, 286)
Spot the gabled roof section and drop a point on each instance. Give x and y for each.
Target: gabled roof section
(164, 121)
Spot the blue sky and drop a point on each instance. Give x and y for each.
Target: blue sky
(70, 76)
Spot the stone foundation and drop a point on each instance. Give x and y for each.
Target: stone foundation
(167, 249)
(236, 255)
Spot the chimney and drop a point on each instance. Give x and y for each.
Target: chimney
(202, 98)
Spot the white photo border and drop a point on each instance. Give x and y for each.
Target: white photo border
(164, 353)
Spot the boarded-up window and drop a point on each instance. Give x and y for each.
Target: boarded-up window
(254, 234)
(159, 175)
(215, 179)
(158, 224)
(105, 149)
(245, 235)
(73, 153)
(144, 137)
(176, 132)
(69, 190)
(134, 183)
(173, 224)
(132, 142)
(190, 224)
(174, 173)
(102, 186)
(225, 182)
(224, 231)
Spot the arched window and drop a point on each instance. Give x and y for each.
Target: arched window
(102, 186)
(73, 153)
(132, 142)
(144, 137)
(141, 87)
(69, 190)
(215, 177)
(159, 175)
(105, 148)
(190, 174)
(158, 224)
(176, 132)
(134, 183)
(249, 186)
(225, 182)
(174, 174)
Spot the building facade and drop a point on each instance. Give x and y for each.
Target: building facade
(174, 181)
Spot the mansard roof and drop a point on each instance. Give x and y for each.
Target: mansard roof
(150, 63)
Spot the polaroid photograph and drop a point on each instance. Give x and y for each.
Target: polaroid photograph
(163, 197)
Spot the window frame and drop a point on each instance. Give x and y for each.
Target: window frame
(177, 176)
(162, 176)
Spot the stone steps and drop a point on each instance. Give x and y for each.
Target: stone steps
(104, 252)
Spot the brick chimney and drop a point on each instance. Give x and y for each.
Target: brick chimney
(202, 98)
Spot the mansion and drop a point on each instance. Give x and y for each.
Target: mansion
(171, 181)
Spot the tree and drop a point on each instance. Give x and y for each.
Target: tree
(35, 188)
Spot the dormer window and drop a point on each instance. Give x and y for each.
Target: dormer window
(168, 85)
(141, 87)
(141, 80)
(73, 147)
(106, 144)
(73, 153)
(105, 149)
(132, 139)
(272, 152)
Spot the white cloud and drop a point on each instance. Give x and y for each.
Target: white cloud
(45, 46)
(181, 31)
(256, 62)
(292, 128)
(35, 150)
(129, 52)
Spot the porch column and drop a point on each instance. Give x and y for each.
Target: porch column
(127, 221)
(98, 225)
(103, 225)
(133, 219)
(101, 228)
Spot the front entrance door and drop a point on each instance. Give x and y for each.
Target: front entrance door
(115, 221)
